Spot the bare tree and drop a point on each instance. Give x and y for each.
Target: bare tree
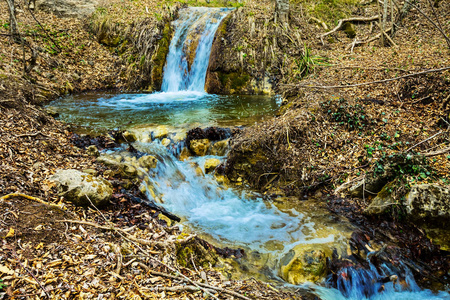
(13, 22)
(282, 11)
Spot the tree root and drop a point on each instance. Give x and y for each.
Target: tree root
(343, 21)
(9, 196)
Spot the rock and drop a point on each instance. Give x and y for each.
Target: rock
(78, 187)
(52, 111)
(382, 202)
(90, 172)
(211, 164)
(185, 154)
(165, 142)
(148, 161)
(200, 147)
(160, 132)
(349, 30)
(429, 202)
(129, 136)
(220, 148)
(68, 8)
(304, 263)
(129, 171)
(222, 180)
(92, 151)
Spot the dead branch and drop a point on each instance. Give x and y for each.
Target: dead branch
(447, 39)
(436, 153)
(322, 23)
(343, 21)
(6, 197)
(431, 137)
(369, 83)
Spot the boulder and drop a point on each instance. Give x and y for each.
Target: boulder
(199, 147)
(68, 8)
(129, 136)
(429, 202)
(211, 164)
(160, 132)
(79, 187)
(148, 161)
(185, 154)
(425, 202)
(304, 263)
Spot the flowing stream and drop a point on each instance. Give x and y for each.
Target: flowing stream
(272, 232)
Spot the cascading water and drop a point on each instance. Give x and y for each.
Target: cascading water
(180, 73)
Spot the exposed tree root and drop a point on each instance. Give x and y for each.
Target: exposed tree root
(6, 197)
(343, 21)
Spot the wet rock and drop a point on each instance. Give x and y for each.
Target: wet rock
(148, 161)
(185, 154)
(79, 187)
(199, 147)
(304, 263)
(211, 164)
(160, 132)
(166, 142)
(220, 148)
(92, 151)
(129, 137)
(196, 252)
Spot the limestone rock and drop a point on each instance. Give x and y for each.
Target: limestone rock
(382, 202)
(184, 154)
(148, 161)
(129, 136)
(68, 8)
(160, 132)
(52, 111)
(200, 147)
(429, 202)
(211, 164)
(78, 187)
(92, 151)
(220, 148)
(165, 142)
(304, 263)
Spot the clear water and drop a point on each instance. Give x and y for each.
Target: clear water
(177, 109)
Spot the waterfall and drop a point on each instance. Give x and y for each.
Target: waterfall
(190, 48)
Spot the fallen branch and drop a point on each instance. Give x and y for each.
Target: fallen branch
(222, 290)
(319, 22)
(372, 82)
(6, 197)
(431, 137)
(343, 21)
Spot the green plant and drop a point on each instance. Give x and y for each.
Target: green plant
(307, 63)
(2, 285)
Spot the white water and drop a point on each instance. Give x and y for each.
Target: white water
(192, 22)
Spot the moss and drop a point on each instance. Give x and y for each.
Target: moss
(349, 29)
(159, 58)
(233, 82)
(195, 252)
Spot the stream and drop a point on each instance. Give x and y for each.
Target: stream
(273, 232)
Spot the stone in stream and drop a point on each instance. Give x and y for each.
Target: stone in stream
(79, 187)
(211, 164)
(148, 161)
(220, 148)
(304, 263)
(200, 147)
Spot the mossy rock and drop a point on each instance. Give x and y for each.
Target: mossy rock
(159, 58)
(196, 252)
(349, 29)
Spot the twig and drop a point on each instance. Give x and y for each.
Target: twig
(34, 277)
(372, 82)
(433, 136)
(6, 197)
(436, 153)
(46, 33)
(31, 134)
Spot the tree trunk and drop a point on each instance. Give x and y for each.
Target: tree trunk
(13, 22)
(282, 11)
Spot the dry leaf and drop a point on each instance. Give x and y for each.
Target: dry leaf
(10, 233)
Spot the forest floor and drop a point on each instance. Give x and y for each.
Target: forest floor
(126, 251)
